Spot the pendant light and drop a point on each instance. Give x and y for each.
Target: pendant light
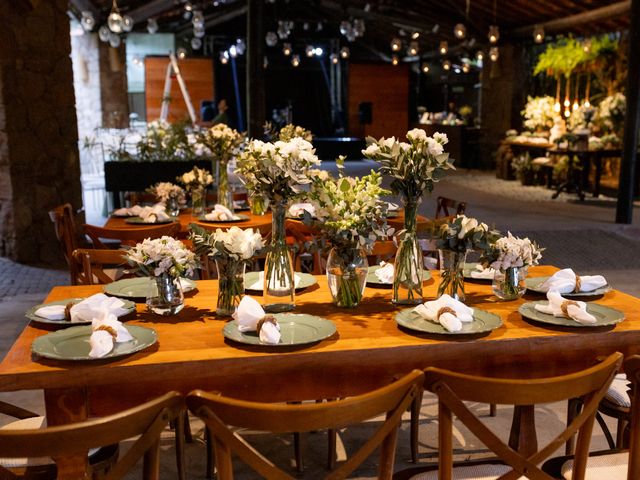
(114, 21)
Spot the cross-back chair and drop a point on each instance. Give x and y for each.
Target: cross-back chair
(447, 207)
(219, 413)
(66, 233)
(382, 250)
(100, 266)
(453, 389)
(303, 238)
(147, 420)
(129, 236)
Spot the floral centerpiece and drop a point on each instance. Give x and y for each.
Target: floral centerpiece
(539, 114)
(196, 182)
(294, 131)
(231, 249)
(166, 260)
(277, 171)
(351, 216)
(413, 168)
(454, 239)
(169, 194)
(510, 257)
(223, 142)
(610, 113)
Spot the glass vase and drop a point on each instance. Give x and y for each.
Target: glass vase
(347, 275)
(279, 284)
(224, 196)
(258, 204)
(165, 295)
(509, 284)
(452, 273)
(407, 276)
(198, 197)
(172, 207)
(230, 285)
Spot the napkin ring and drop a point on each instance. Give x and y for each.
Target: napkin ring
(578, 285)
(444, 310)
(565, 306)
(67, 311)
(110, 330)
(266, 319)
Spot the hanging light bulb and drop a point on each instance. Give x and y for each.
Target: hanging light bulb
(557, 107)
(538, 34)
(152, 26)
(466, 68)
(196, 43)
(425, 68)
(494, 34)
(494, 54)
(415, 35)
(182, 53)
(271, 38)
(345, 27)
(88, 21)
(587, 104)
(309, 51)
(198, 32)
(460, 31)
(344, 52)
(115, 20)
(444, 47)
(575, 105)
(114, 40)
(479, 55)
(240, 46)
(586, 45)
(188, 7)
(265, 62)
(567, 113)
(224, 57)
(127, 23)
(334, 58)
(286, 49)
(103, 33)
(233, 51)
(413, 49)
(446, 65)
(567, 102)
(395, 60)
(198, 18)
(396, 44)
(295, 60)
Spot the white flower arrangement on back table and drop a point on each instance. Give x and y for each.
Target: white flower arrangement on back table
(161, 256)
(512, 252)
(539, 113)
(196, 179)
(165, 191)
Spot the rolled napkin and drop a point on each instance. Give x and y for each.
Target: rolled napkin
(96, 306)
(52, 312)
(393, 207)
(561, 307)
(447, 311)
(220, 212)
(482, 273)
(385, 272)
(298, 209)
(251, 317)
(131, 212)
(107, 330)
(154, 214)
(259, 283)
(566, 281)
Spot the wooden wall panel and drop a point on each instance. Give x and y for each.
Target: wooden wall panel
(197, 74)
(387, 87)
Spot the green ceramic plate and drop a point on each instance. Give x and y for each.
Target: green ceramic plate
(73, 343)
(138, 287)
(140, 221)
(31, 313)
(306, 280)
(374, 282)
(483, 321)
(295, 328)
(239, 218)
(533, 284)
(470, 267)
(604, 315)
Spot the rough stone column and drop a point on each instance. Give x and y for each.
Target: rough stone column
(113, 86)
(39, 165)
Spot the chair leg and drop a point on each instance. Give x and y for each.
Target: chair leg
(297, 445)
(211, 464)
(187, 428)
(493, 410)
(573, 408)
(332, 436)
(620, 440)
(180, 438)
(605, 430)
(414, 427)
(151, 464)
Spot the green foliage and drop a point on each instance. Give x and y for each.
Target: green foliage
(569, 55)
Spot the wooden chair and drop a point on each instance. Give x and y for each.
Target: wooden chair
(303, 239)
(453, 389)
(147, 420)
(129, 236)
(67, 235)
(382, 250)
(218, 412)
(447, 207)
(100, 266)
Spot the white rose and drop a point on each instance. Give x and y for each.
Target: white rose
(417, 134)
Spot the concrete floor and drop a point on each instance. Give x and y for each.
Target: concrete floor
(581, 235)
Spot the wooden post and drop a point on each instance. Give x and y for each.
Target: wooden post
(626, 183)
(255, 68)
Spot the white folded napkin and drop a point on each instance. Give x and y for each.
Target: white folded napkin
(565, 281)
(52, 312)
(482, 273)
(155, 213)
(107, 330)
(393, 207)
(561, 307)
(251, 317)
(97, 306)
(220, 212)
(259, 283)
(385, 272)
(133, 211)
(298, 209)
(447, 311)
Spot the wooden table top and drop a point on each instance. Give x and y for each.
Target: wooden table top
(368, 346)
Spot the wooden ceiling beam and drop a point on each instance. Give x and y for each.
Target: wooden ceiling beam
(151, 9)
(85, 5)
(218, 18)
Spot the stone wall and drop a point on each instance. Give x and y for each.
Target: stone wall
(39, 165)
(113, 86)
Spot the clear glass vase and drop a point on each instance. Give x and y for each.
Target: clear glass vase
(452, 273)
(509, 284)
(407, 277)
(347, 275)
(258, 204)
(172, 207)
(230, 285)
(165, 295)
(198, 200)
(224, 196)
(279, 285)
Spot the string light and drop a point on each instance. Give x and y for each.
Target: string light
(479, 55)
(344, 52)
(286, 49)
(182, 53)
(396, 44)
(415, 35)
(414, 48)
(444, 47)
(494, 54)
(494, 34)
(425, 68)
(538, 34)
(460, 31)
(114, 21)
(295, 60)
(466, 68)
(446, 65)
(309, 51)
(334, 58)
(395, 60)
(224, 57)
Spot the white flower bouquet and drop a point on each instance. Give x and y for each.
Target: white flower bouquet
(539, 113)
(610, 112)
(166, 191)
(512, 252)
(195, 179)
(162, 256)
(290, 131)
(222, 141)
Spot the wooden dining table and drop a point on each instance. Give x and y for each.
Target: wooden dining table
(367, 351)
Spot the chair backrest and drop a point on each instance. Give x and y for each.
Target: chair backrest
(447, 207)
(303, 240)
(382, 250)
(147, 420)
(64, 224)
(220, 412)
(129, 236)
(632, 369)
(94, 265)
(455, 388)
